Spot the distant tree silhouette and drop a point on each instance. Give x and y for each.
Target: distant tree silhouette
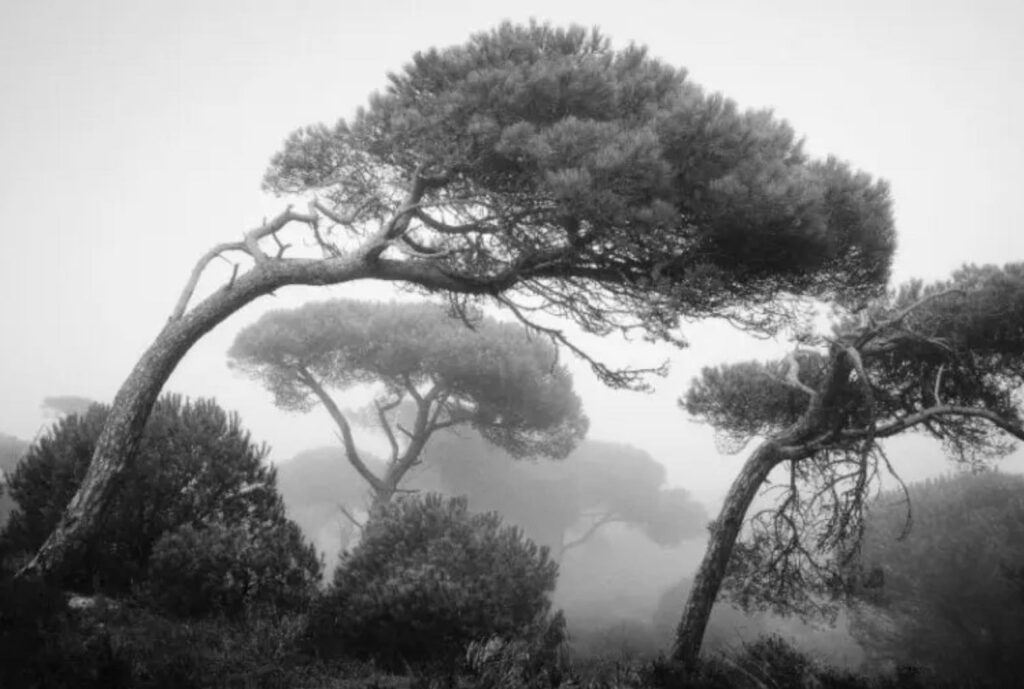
(495, 378)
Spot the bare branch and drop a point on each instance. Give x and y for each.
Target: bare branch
(344, 510)
(248, 245)
(938, 384)
(197, 271)
(252, 237)
(901, 424)
(792, 376)
(589, 533)
(386, 425)
(348, 441)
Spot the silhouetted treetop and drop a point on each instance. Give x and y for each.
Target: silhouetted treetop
(594, 183)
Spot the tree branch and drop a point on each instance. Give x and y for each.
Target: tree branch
(344, 510)
(351, 451)
(911, 420)
(197, 272)
(607, 518)
(249, 245)
(386, 425)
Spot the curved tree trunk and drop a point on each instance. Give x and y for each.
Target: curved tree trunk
(134, 401)
(708, 581)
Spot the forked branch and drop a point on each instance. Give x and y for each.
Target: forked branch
(248, 245)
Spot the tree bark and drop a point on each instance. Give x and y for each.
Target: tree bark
(134, 401)
(708, 581)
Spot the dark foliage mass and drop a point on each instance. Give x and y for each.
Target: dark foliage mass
(195, 465)
(599, 184)
(427, 578)
(948, 596)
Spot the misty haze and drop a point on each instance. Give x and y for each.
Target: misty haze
(548, 346)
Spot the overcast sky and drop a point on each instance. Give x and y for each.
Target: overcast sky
(135, 134)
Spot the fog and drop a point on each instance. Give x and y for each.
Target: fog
(136, 135)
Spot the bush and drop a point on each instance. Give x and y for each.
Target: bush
(427, 578)
(219, 569)
(195, 464)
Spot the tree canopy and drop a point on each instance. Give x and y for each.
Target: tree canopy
(495, 378)
(544, 170)
(594, 183)
(943, 359)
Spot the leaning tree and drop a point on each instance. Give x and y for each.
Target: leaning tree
(946, 360)
(494, 378)
(541, 170)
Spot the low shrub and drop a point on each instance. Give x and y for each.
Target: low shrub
(218, 569)
(427, 578)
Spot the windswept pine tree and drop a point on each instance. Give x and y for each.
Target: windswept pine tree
(544, 171)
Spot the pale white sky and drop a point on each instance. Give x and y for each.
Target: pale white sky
(134, 136)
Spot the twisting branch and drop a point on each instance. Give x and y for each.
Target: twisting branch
(197, 272)
(253, 237)
(307, 379)
(398, 224)
(382, 410)
(589, 533)
(249, 245)
(792, 376)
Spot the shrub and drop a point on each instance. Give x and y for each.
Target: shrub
(427, 578)
(195, 463)
(217, 569)
(534, 660)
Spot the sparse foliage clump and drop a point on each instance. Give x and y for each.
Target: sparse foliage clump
(427, 578)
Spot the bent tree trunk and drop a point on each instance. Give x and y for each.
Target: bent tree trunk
(134, 401)
(708, 581)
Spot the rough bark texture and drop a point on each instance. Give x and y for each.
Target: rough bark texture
(134, 401)
(708, 581)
